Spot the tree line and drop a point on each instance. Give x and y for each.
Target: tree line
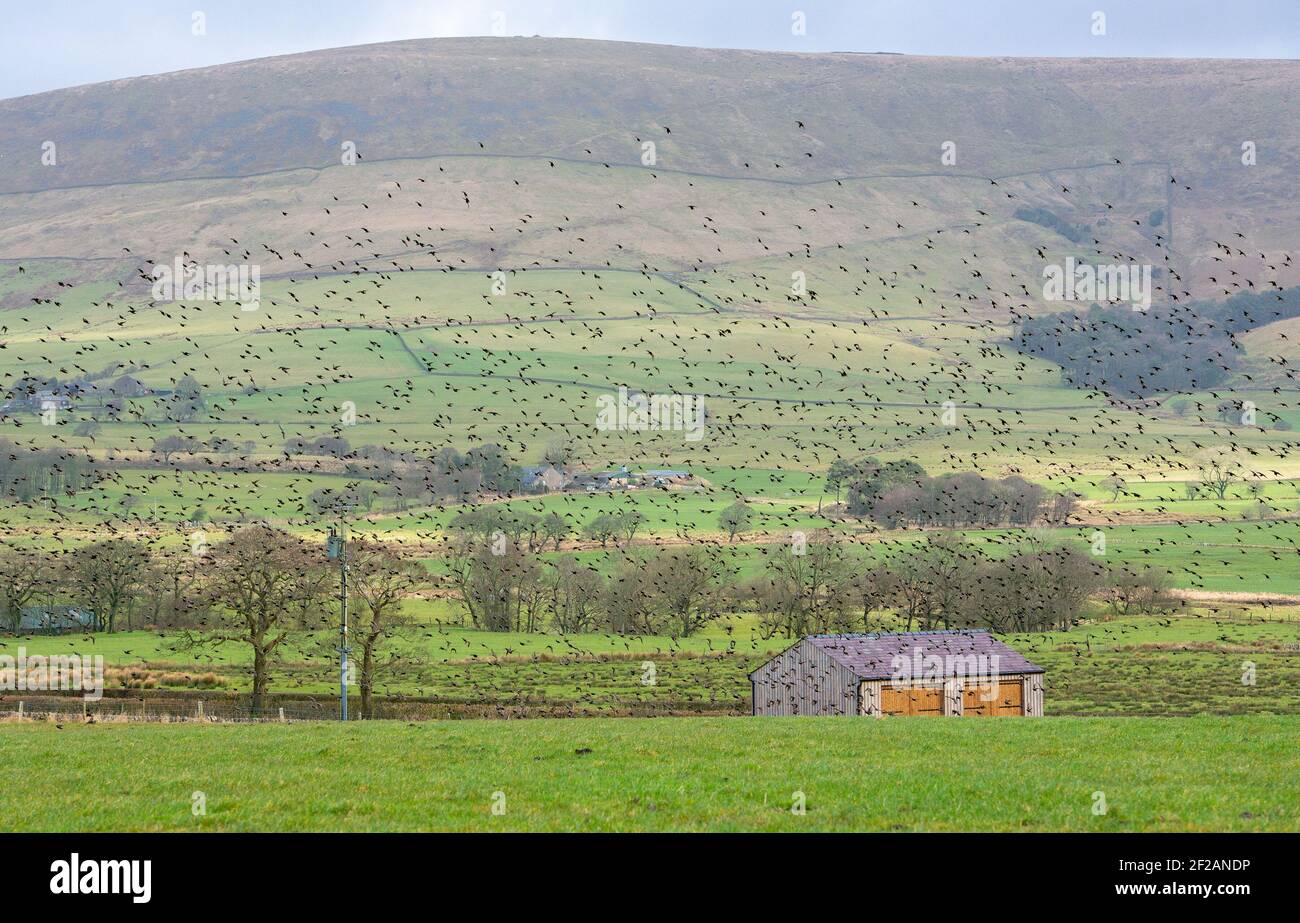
(532, 531)
(26, 474)
(901, 493)
(944, 582)
(818, 584)
(260, 589)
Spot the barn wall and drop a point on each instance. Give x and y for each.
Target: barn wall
(1032, 694)
(869, 698)
(804, 681)
(954, 702)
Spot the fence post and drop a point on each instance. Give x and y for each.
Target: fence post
(282, 714)
(20, 710)
(200, 709)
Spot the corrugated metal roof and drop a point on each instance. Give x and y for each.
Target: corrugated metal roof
(921, 653)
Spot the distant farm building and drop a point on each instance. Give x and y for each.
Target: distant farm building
(38, 401)
(547, 478)
(664, 477)
(917, 673)
(618, 479)
(538, 479)
(56, 620)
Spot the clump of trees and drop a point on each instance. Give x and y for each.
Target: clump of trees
(448, 474)
(331, 446)
(261, 589)
(619, 528)
(942, 583)
(900, 493)
(505, 586)
(352, 498)
(1131, 353)
(534, 532)
(1052, 221)
(262, 584)
(186, 402)
(26, 473)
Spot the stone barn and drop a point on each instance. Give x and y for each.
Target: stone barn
(916, 673)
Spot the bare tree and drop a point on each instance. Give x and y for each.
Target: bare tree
(871, 591)
(109, 575)
(1219, 469)
(23, 574)
(688, 585)
(499, 590)
(172, 587)
(260, 580)
(914, 589)
(629, 600)
(948, 565)
(574, 596)
(807, 592)
(626, 524)
(380, 579)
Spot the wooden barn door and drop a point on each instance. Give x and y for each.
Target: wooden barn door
(911, 700)
(1008, 700)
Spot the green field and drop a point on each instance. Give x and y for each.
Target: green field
(1186, 665)
(1240, 774)
(430, 357)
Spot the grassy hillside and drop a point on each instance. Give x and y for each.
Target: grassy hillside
(519, 124)
(429, 358)
(662, 774)
(505, 92)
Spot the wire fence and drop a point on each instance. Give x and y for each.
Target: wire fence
(67, 708)
(29, 706)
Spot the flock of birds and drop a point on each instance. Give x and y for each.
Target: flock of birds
(893, 316)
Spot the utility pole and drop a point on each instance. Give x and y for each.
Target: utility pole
(336, 549)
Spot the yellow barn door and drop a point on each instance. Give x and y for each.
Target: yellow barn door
(1008, 699)
(911, 700)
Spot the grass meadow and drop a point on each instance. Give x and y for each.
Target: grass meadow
(718, 774)
(1124, 666)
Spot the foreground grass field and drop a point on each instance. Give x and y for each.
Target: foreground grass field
(1193, 774)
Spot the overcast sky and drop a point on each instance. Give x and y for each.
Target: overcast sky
(46, 44)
